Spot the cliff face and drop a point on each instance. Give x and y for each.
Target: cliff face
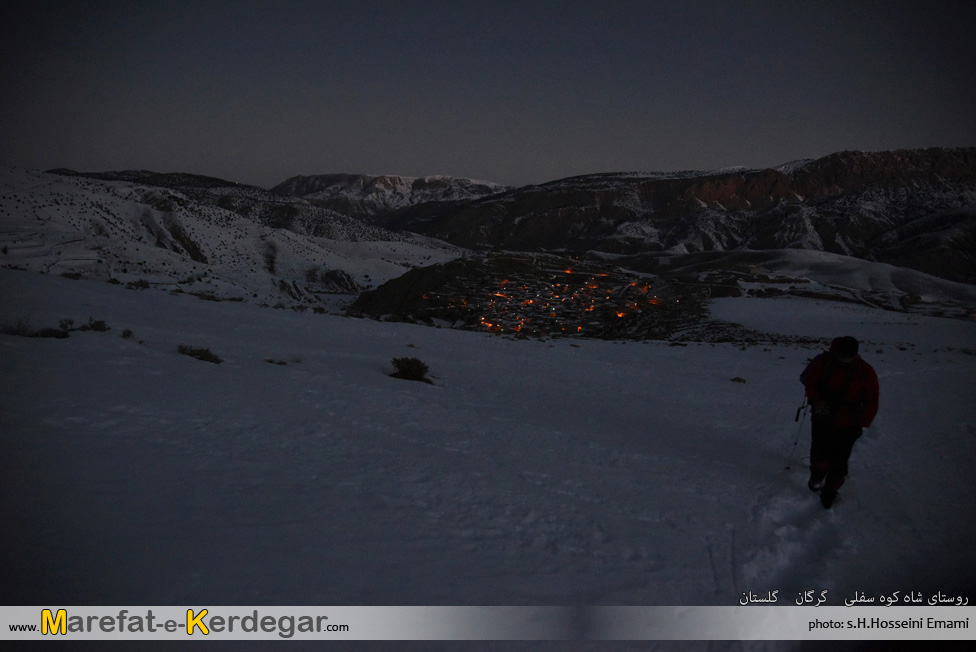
(838, 174)
(855, 171)
(915, 208)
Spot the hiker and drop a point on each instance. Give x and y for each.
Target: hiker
(842, 389)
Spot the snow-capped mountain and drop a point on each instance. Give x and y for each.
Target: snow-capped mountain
(384, 200)
(215, 238)
(912, 208)
(197, 235)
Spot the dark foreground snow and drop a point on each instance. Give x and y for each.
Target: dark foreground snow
(531, 473)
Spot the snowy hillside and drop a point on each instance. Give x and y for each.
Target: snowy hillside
(223, 242)
(535, 472)
(817, 274)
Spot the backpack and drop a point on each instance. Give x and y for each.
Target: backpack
(806, 370)
(856, 370)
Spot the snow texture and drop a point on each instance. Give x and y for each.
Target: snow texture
(566, 472)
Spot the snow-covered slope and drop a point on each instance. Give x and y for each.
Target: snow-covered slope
(223, 241)
(810, 272)
(556, 472)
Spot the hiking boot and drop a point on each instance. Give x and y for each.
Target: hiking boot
(827, 498)
(815, 483)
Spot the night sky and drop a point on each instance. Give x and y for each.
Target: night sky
(512, 92)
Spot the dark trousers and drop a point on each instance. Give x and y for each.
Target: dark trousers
(830, 449)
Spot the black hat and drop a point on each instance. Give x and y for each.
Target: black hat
(844, 347)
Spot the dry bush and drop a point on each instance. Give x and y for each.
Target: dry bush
(200, 354)
(410, 369)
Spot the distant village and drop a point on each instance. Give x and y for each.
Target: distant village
(526, 295)
(538, 296)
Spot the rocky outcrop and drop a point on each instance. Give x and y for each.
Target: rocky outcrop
(845, 172)
(862, 204)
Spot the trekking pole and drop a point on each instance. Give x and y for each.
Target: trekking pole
(802, 409)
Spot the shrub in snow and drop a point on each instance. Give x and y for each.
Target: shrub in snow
(51, 332)
(24, 328)
(200, 354)
(98, 325)
(410, 369)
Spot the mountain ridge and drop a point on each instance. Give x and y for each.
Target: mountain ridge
(909, 207)
(913, 208)
(904, 219)
(379, 199)
(850, 203)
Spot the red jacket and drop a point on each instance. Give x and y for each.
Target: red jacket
(850, 392)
